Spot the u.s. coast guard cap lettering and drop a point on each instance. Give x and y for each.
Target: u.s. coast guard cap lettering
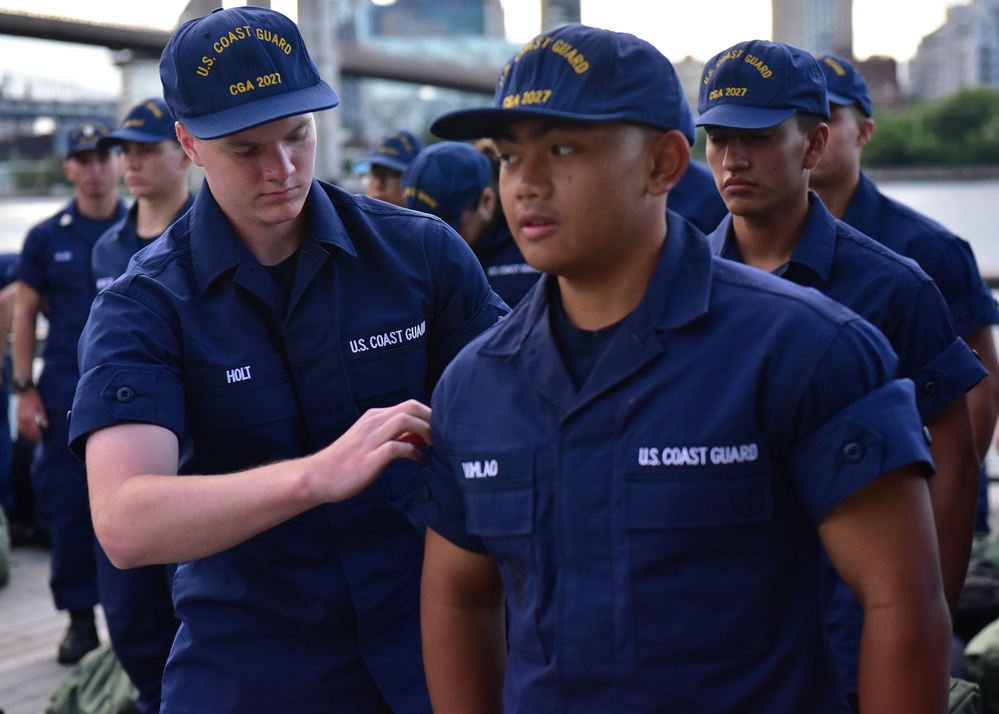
(844, 84)
(760, 84)
(579, 73)
(148, 122)
(84, 135)
(238, 68)
(446, 179)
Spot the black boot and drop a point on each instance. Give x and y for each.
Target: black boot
(80, 638)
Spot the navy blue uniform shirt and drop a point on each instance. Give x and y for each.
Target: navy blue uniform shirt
(508, 274)
(322, 610)
(890, 291)
(947, 259)
(656, 529)
(115, 248)
(895, 295)
(55, 261)
(696, 198)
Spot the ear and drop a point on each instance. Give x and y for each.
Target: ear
(866, 131)
(818, 137)
(670, 157)
(189, 143)
(487, 204)
(66, 169)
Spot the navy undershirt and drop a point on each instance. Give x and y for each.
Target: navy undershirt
(284, 273)
(580, 349)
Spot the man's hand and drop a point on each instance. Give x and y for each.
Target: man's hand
(31, 416)
(352, 462)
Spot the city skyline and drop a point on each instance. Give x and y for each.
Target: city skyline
(678, 29)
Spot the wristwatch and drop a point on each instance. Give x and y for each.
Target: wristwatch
(21, 384)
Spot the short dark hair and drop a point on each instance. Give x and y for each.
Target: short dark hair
(807, 121)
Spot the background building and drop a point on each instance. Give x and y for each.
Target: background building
(815, 25)
(963, 53)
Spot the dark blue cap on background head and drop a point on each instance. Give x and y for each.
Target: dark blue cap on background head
(238, 68)
(759, 84)
(446, 179)
(579, 73)
(844, 84)
(84, 135)
(148, 122)
(394, 150)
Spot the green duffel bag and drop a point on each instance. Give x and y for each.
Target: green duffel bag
(982, 657)
(96, 685)
(965, 697)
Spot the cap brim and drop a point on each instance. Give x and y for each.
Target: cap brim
(246, 116)
(140, 137)
(468, 124)
(739, 116)
(379, 160)
(840, 99)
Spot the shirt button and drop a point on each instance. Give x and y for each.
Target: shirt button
(930, 388)
(125, 394)
(853, 452)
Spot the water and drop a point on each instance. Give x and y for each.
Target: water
(968, 208)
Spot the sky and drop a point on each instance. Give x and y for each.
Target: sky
(677, 27)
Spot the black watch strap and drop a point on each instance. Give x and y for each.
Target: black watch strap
(21, 384)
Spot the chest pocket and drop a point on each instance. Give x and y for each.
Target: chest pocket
(241, 414)
(388, 377)
(499, 496)
(698, 563)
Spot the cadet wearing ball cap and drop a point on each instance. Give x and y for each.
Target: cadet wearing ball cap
(624, 447)
(455, 181)
(384, 163)
(136, 602)
(54, 278)
(273, 347)
(851, 196)
(762, 141)
(447, 179)
(155, 169)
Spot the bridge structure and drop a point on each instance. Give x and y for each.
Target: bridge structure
(318, 22)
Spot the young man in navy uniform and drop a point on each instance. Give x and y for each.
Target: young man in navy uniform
(646, 455)
(852, 197)
(250, 400)
(54, 278)
(137, 604)
(763, 105)
(456, 182)
(384, 163)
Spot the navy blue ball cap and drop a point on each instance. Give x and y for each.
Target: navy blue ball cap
(579, 73)
(238, 68)
(844, 84)
(446, 179)
(84, 136)
(394, 150)
(148, 122)
(760, 84)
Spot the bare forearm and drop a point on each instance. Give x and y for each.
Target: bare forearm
(465, 658)
(25, 342)
(905, 660)
(982, 405)
(169, 519)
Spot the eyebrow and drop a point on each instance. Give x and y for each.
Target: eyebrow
(543, 129)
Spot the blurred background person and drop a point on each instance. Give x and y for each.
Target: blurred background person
(384, 163)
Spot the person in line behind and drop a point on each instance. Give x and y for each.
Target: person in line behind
(384, 163)
(628, 459)
(852, 197)
(762, 140)
(136, 602)
(457, 182)
(54, 278)
(254, 389)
